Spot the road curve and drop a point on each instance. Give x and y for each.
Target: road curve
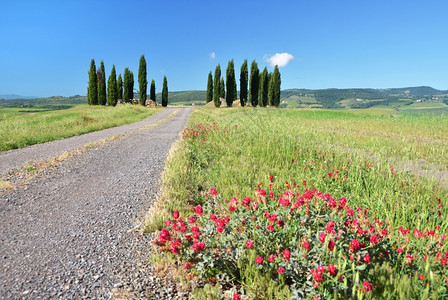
(66, 234)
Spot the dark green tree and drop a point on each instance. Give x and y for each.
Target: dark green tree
(264, 86)
(131, 86)
(271, 90)
(102, 85)
(120, 88)
(254, 84)
(112, 93)
(276, 82)
(243, 83)
(152, 91)
(230, 83)
(126, 85)
(165, 92)
(209, 94)
(222, 87)
(92, 88)
(142, 81)
(216, 87)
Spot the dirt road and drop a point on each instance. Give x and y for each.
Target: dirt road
(67, 233)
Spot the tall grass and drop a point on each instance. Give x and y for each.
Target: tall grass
(22, 130)
(342, 153)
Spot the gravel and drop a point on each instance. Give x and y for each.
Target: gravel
(69, 233)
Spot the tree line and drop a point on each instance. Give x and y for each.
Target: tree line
(121, 88)
(262, 89)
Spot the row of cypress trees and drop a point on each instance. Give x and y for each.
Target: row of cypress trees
(123, 88)
(264, 88)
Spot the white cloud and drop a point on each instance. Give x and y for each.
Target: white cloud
(279, 59)
(212, 55)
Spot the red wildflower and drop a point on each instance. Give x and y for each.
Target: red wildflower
(198, 246)
(199, 210)
(280, 270)
(270, 228)
(331, 269)
(187, 266)
(367, 286)
(421, 277)
(306, 245)
(366, 258)
(281, 223)
(249, 244)
(331, 245)
(374, 240)
(262, 192)
(354, 245)
(271, 258)
(259, 260)
(176, 215)
(322, 237)
(286, 254)
(236, 296)
(212, 217)
(213, 192)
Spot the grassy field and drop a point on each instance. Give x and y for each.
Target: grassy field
(346, 154)
(24, 127)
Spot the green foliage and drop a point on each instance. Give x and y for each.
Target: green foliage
(120, 87)
(152, 95)
(254, 84)
(126, 86)
(276, 83)
(243, 83)
(222, 88)
(230, 83)
(92, 89)
(131, 85)
(320, 147)
(216, 86)
(102, 85)
(165, 92)
(112, 94)
(264, 85)
(142, 80)
(185, 96)
(209, 93)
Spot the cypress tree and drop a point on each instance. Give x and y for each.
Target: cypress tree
(142, 81)
(131, 86)
(101, 85)
(230, 83)
(126, 86)
(222, 88)
(276, 78)
(92, 94)
(152, 95)
(243, 83)
(112, 93)
(120, 88)
(271, 90)
(264, 85)
(165, 92)
(216, 87)
(209, 94)
(254, 84)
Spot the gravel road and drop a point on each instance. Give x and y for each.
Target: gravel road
(68, 234)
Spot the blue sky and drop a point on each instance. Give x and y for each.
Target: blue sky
(47, 46)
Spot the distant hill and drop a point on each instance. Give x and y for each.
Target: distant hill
(184, 97)
(306, 98)
(13, 96)
(55, 102)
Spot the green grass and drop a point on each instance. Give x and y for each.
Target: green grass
(288, 144)
(310, 145)
(21, 128)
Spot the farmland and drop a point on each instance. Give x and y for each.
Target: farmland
(21, 127)
(230, 160)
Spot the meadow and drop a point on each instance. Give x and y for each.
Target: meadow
(21, 127)
(273, 203)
